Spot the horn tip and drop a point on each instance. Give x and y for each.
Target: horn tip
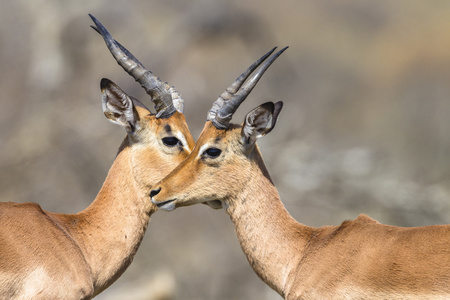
(104, 83)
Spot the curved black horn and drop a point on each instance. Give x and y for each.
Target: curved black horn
(166, 99)
(225, 106)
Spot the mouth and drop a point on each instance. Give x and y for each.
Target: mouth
(167, 205)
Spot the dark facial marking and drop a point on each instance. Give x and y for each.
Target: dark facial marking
(167, 128)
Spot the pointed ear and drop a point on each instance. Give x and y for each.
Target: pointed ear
(260, 121)
(117, 106)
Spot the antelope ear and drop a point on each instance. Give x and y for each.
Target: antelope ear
(260, 121)
(118, 107)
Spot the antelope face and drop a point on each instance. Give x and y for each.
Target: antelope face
(221, 164)
(160, 146)
(157, 145)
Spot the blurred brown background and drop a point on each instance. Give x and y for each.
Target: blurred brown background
(365, 126)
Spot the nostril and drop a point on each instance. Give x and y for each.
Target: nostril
(155, 192)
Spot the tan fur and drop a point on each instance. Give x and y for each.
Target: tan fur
(44, 255)
(359, 259)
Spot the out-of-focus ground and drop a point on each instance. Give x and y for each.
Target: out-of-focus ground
(365, 127)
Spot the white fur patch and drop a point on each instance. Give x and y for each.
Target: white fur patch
(183, 141)
(202, 149)
(35, 283)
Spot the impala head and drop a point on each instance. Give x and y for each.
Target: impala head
(157, 142)
(226, 155)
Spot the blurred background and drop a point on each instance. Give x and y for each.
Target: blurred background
(365, 127)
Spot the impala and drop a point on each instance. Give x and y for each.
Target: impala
(359, 259)
(46, 255)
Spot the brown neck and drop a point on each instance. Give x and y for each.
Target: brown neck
(110, 230)
(270, 238)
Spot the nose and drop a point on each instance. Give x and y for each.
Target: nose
(155, 192)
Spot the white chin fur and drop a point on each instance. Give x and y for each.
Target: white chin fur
(168, 206)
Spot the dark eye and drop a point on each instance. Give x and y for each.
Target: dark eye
(171, 141)
(213, 152)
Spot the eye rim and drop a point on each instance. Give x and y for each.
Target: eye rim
(171, 141)
(212, 152)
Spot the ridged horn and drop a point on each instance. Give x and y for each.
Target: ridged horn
(226, 105)
(166, 99)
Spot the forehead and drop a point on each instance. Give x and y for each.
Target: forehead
(211, 135)
(174, 123)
